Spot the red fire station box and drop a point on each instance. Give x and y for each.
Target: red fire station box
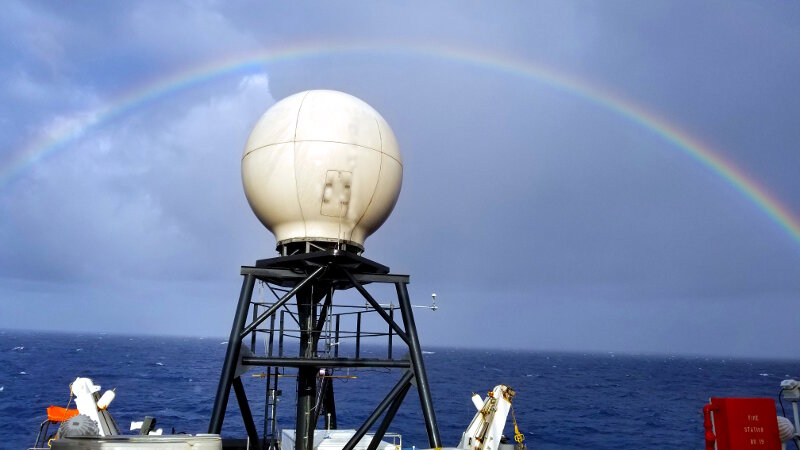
(742, 423)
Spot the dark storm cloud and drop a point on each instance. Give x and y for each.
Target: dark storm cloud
(567, 224)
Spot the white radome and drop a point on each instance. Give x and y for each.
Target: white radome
(322, 166)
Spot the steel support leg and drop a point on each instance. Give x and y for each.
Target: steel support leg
(307, 299)
(419, 367)
(231, 356)
(247, 416)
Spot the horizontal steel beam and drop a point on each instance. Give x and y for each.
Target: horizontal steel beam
(286, 274)
(326, 362)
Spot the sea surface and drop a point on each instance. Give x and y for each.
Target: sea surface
(563, 400)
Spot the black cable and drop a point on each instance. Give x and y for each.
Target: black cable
(795, 443)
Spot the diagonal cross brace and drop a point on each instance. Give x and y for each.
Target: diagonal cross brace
(378, 308)
(399, 389)
(288, 296)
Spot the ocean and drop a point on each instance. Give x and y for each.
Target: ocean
(563, 400)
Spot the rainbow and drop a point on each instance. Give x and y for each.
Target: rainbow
(69, 131)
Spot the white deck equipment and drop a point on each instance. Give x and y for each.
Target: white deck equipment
(486, 429)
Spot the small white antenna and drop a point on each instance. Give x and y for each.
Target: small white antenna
(433, 306)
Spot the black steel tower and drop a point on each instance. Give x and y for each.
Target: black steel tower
(305, 286)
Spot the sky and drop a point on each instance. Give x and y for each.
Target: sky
(565, 183)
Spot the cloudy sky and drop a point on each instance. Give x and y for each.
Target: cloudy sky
(540, 201)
